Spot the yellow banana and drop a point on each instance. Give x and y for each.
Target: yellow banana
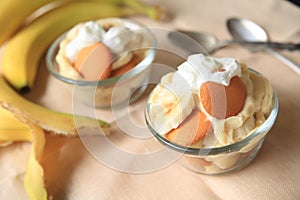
(61, 123)
(23, 52)
(13, 13)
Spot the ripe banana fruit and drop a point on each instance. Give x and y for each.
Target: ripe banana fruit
(49, 120)
(13, 13)
(23, 52)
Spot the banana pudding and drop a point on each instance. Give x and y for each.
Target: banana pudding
(99, 57)
(97, 50)
(216, 110)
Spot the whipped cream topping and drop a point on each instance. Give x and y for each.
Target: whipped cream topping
(205, 68)
(179, 93)
(116, 38)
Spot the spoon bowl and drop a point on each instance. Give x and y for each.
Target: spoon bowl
(208, 41)
(246, 30)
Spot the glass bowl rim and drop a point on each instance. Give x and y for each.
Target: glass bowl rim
(50, 59)
(267, 124)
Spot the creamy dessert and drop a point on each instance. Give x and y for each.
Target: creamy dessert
(97, 50)
(211, 102)
(93, 58)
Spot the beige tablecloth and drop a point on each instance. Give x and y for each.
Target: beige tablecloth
(74, 173)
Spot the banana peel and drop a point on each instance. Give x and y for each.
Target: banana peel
(34, 176)
(13, 129)
(22, 120)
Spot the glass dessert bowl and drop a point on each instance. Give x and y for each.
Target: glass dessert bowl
(228, 143)
(126, 48)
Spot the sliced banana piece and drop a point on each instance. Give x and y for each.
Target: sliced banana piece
(122, 60)
(170, 103)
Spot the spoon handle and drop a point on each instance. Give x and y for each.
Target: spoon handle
(288, 46)
(273, 45)
(291, 64)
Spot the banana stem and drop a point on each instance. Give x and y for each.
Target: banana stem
(153, 11)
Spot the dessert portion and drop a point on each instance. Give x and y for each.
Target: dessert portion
(105, 50)
(209, 102)
(207, 105)
(97, 50)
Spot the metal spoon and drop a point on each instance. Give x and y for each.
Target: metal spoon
(211, 44)
(246, 30)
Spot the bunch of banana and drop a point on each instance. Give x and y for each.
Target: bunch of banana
(23, 52)
(20, 119)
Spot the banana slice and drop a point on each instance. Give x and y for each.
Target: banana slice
(122, 60)
(170, 103)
